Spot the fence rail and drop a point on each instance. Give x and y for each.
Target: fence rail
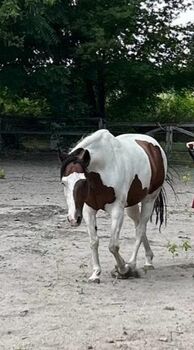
(56, 130)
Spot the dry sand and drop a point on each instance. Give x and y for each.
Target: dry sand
(45, 299)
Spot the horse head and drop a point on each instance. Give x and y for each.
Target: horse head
(73, 177)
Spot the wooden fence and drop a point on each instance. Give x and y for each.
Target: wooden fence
(70, 131)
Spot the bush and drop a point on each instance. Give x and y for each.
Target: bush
(175, 107)
(22, 106)
(169, 107)
(2, 173)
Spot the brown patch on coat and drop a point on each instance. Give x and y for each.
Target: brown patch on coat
(156, 163)
(99, 194)
(93, 192)
(80, 193)
(136, 192)
(73, 168)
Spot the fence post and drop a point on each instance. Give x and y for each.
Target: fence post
(1, 141)
(169, 140)
(101, 123)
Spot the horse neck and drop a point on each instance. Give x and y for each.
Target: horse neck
(101, 146)
(102, 158)
(94, 138)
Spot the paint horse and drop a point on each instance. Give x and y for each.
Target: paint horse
(113, 174)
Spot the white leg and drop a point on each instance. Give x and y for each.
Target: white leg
(146, 211)
(89, 216)
(148, 253)
(134, 213)
(117, 220)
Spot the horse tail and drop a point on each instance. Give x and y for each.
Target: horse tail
(160, 205)
(160, 208)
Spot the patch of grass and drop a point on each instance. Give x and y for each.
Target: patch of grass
(2, 173)
(186, 178)
(185, 246)
(174, 248)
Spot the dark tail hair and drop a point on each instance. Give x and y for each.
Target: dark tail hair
(160, 205)
(160, 208)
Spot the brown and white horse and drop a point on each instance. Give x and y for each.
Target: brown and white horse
(114, 174)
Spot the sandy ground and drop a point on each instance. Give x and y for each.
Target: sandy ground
(45, 299)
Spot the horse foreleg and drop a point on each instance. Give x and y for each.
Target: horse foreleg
(117, 220)
(146, 211)
(89, 216)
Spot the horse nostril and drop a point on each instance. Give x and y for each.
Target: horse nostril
(79, 219)
(68, 219)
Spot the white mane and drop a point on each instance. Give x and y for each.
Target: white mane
(98, 136)
(101, 145)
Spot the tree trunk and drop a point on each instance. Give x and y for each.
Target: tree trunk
(91, 98)
(101, 94)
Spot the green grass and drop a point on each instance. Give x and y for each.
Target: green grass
(2, 173)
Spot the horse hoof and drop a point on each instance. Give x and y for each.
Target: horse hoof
(94, 280)
(148, 267)
(129, 273)
(114, 272)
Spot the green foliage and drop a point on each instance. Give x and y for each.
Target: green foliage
(173, 248)
(24, 107)
(174, 107)
(2, 173)
(91, 58)
(186, 246)
(186, 178)
(167, 107)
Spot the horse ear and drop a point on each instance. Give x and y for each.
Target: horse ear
(77, 152)
(85, 157)
(82, 154)
(62, 155)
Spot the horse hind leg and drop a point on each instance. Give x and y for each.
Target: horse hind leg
(140, 221)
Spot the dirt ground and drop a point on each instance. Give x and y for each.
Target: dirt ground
(45, 299)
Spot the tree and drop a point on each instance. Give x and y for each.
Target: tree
(90, 57)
